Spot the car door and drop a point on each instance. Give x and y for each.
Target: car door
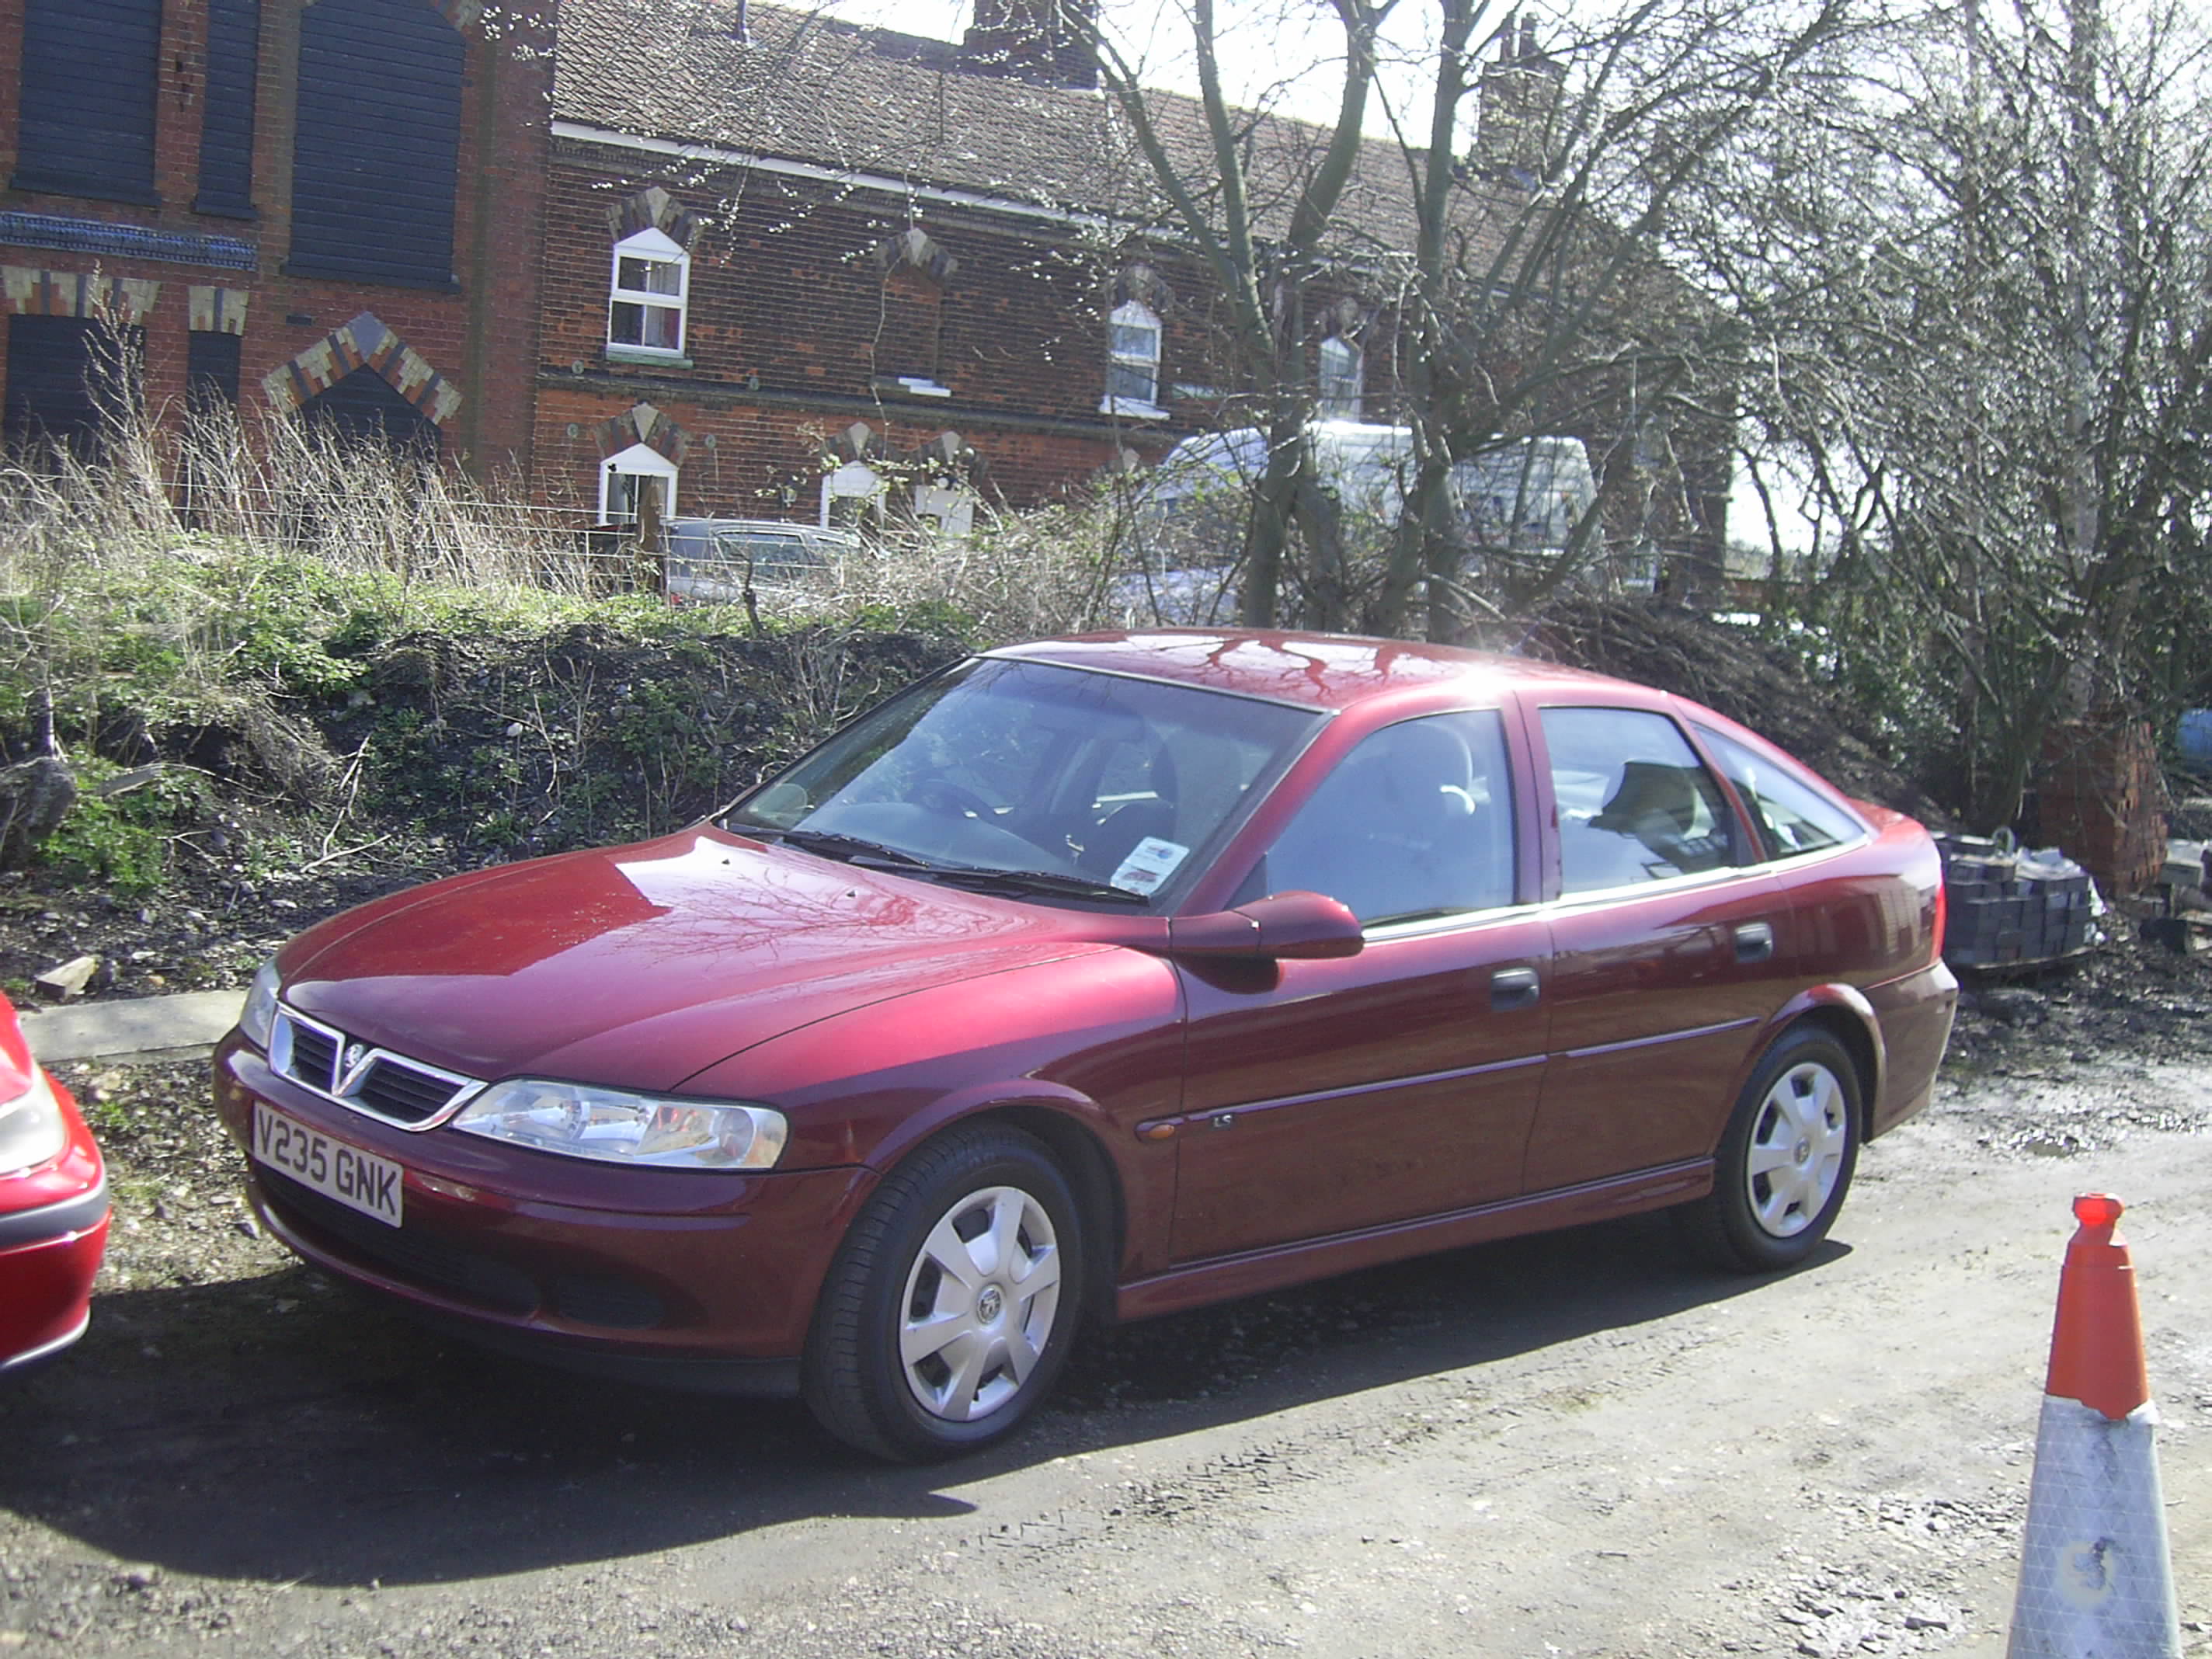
(1668, 954)
(1323, 1097)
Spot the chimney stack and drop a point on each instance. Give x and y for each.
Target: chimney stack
(1048, 42)
(1517, 107)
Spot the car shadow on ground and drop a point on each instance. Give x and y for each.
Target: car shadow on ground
(281, 1429)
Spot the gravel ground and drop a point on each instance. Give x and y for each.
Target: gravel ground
(1570, 1444)
(1562, 1445)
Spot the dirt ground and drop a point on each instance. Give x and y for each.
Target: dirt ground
(1567, 1446)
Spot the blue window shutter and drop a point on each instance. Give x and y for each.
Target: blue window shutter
(87, 121)
(376, 150)
(227, 114)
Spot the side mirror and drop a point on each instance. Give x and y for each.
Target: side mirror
(1284, 926)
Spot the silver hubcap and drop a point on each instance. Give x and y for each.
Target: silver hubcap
(1797, 1146)
(979, 1304)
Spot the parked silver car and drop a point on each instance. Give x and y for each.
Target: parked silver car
(714, 561)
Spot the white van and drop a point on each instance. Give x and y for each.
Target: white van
(1526, 493)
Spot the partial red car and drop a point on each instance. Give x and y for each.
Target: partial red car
(53, 1208)
(1100, 977)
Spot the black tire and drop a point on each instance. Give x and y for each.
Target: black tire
(1801, 1106)
(888, 1272)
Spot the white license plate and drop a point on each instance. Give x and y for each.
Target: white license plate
(359, 1180)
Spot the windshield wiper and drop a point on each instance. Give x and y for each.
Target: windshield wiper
(853, 848)
(1033, 881)
(845, 848)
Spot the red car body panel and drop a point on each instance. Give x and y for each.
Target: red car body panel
(1233, 1123)
(53, 1223)
(1357, 1093)
(642, 965)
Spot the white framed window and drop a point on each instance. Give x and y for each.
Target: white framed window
(1133, 362)
(624, 479)
(652, 282)
(1340, 366)
(852, 495)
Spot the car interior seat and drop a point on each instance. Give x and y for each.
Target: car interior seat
(1117, 833)
(1656, 805)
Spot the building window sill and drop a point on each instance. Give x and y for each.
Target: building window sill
(648, 356)
(1131, 408)
(910, 386)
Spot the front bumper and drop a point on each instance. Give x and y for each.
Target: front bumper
(49, 1258)
(690, 1280)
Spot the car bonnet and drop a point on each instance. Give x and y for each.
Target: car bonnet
(638, 966)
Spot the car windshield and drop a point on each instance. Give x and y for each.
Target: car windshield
(1020, 776)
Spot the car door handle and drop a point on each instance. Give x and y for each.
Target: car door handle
(1512, 987)
(1755, 941)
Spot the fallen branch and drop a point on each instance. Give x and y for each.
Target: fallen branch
(343, 853)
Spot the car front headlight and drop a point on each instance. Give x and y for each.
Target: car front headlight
(257, 1021)
(32, 1128)
(616, 1127)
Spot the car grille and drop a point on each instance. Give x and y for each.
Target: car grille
(415, 1257)
(383, 1085)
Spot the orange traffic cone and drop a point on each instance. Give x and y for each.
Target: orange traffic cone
(2095, 1578)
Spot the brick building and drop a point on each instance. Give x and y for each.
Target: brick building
(749, 261)
(311, 209)
(788, 256)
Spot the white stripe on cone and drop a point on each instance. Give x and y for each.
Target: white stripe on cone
(2094, 1578)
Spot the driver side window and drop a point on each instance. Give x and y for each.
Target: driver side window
(1416, 821)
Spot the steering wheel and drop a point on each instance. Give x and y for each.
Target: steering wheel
(944, 796)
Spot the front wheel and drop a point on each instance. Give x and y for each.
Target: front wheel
(1785, 1159)
(951, 1306)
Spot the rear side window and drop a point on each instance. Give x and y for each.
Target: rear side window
(1636, 804)
(1791, 818)
(1416, 821)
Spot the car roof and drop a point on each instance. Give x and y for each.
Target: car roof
(779, 526)
(1316, 670)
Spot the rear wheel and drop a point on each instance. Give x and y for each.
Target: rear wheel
(949, 1309)
(1785, 1159)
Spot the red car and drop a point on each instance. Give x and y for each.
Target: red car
(1104, 977)
(53, 1208)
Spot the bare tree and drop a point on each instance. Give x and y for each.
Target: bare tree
(1986, 328)
(1262, 235)
(1539, 294)
(1520, 254)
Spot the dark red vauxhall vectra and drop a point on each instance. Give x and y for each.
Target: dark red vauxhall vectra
(1103, 978)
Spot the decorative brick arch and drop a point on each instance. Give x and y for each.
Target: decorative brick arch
(1139, 282)
(642, 425)
(364, 343)
(654, 208)
(914, 247)
(25, 291)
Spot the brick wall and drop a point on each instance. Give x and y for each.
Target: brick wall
(480, 339)
(798, 314)
(2101, 799)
